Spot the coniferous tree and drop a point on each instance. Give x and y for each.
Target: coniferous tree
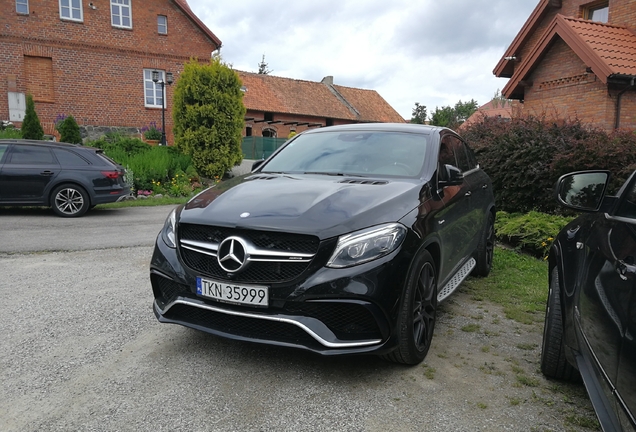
(31, 127)
(69, 131)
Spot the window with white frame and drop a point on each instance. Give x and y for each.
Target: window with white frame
(162, 24)
(22, 6)
(120, 13)
(71, 10)
(152, 91)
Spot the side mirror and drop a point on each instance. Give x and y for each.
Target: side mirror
(583, 191)
(257, 164)
(450, 176)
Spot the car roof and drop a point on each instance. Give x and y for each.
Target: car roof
(42, 143)
(383, 127)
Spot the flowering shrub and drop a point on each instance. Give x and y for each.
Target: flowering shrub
(151, 132)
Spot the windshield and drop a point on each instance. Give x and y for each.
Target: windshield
(352, 153)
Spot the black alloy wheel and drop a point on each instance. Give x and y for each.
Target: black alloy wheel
(418, 313)
(69, 201)
(486, 249)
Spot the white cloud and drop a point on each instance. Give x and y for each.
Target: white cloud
(426, 51)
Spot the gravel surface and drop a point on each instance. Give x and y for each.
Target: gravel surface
(82, 351)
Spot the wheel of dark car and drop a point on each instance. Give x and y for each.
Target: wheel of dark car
(485, 249)
(553, 361)
(69, 200)
(418, 311)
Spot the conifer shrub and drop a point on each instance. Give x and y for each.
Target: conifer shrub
(31, 127)
(69, 131)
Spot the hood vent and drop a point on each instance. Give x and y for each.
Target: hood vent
(364, 182)
(261, 177)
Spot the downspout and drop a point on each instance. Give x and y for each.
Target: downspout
(617, 122)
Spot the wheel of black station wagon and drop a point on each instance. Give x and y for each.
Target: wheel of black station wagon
(485, 249)
(70, 200)
(553, 361)
(418, 311)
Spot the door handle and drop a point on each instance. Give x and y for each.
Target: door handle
(469, 193)
(623, 269)
(485, 186)
(47, 173)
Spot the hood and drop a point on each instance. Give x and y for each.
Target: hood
(325, 206)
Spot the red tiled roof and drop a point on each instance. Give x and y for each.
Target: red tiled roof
(501, 109)
(290, 96)
(505, 67)
(185, 7)
(607, 49)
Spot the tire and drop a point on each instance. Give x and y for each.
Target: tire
(553, 361)
(69, 200)
(418, 311)
(485, 249)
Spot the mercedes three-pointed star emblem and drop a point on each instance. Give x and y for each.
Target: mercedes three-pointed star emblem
(232, 254)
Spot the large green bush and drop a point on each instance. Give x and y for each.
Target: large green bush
(31, 127)
(208, 114)
(69, 130)
(525, 157)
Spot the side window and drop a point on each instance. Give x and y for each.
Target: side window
(31, 155)
(472, 159)
(627, 208)
(71, 10)
(461, 155)
(446, 154)
(69, 158)
(3, 150)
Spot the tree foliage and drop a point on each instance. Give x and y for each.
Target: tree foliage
(452, 117)
(31, 127)
(262, 67)
(69, 131)
(418, 115)
(525, 156)
(208, 114)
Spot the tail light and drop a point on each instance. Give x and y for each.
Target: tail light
(111, 174)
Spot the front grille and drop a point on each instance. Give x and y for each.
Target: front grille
(348, 321)
(240, 326)
(256, 272)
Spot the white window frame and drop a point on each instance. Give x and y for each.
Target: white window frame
(162, 25)
(24, 4)
(71, 9)
(149, 86)
(120, 5)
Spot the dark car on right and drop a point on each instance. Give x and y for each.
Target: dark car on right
(590, 323)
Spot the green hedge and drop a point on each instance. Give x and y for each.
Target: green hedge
(525, 157)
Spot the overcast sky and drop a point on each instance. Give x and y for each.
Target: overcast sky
(435, 52)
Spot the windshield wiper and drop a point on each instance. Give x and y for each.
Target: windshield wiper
(338, 174)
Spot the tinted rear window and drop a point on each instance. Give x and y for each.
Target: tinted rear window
(69, 158)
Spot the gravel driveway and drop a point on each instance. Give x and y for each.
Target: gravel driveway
(82, 351)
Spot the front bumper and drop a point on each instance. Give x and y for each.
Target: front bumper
(330, 311)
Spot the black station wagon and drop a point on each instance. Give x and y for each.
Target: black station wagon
(69, 178)
(344, 241)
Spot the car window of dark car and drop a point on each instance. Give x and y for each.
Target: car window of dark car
(627, 207)
(472, 159)
(68, 158)
(31, 155)
(446, 152)
(460, 154)
(3, 150)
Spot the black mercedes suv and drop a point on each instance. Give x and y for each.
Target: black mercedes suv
(343, 241)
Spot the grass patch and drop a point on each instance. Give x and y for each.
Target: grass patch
(471, 328)
(527, 381)
(527, 346)
(149, 202)
(517, 282)
(581, 421)
(429, 372)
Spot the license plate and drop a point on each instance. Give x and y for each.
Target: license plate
(232, 293)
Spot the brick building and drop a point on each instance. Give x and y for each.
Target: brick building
(576, 59)
(277, 106)
(93, 60)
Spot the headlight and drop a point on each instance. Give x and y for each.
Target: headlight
(367, 245)
(168, 231)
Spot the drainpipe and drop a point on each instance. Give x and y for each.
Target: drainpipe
(617, 123)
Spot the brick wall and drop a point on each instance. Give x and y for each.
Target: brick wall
(97, 69)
